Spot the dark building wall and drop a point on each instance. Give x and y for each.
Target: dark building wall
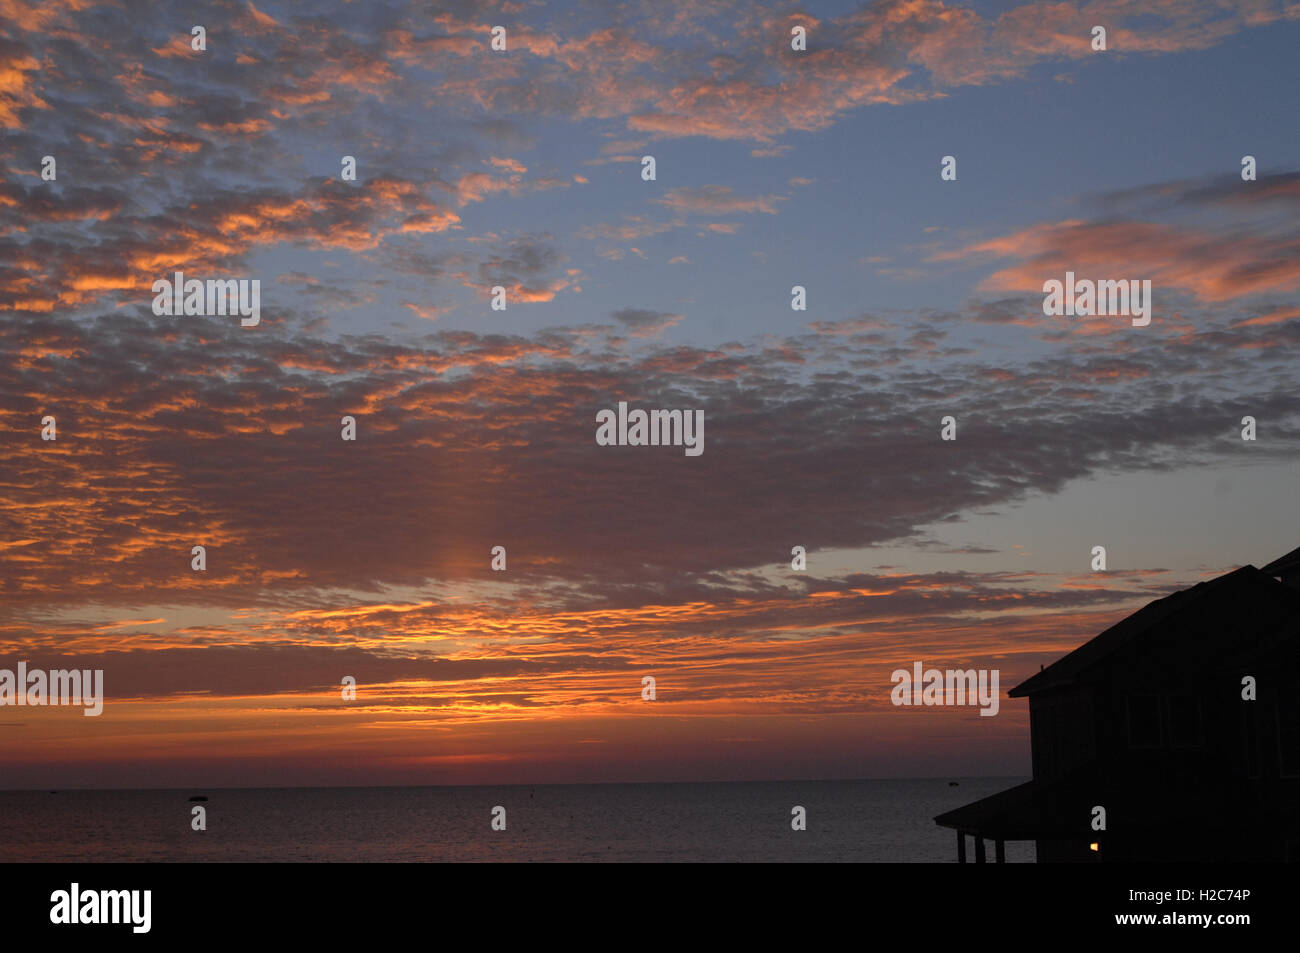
(1065, 852)
(1188, 715)
(1062, 731)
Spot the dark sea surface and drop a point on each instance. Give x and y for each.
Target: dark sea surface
(890, 821)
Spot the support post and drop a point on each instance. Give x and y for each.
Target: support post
(1000, 851)
(961, 847)
(979, 849)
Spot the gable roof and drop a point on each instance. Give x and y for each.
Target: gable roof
(1284, 564)
(1217, 603)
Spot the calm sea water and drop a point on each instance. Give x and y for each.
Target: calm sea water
(891, 821)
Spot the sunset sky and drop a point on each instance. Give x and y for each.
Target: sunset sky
(476, 428)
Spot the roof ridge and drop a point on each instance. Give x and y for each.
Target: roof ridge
(1127, 629)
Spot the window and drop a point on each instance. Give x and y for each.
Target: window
(1288, 736)
(1250, 739)
(1144, 721)
(1184, 721)
(1045, 741)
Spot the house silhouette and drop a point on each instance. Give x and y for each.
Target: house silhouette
(1153, 721)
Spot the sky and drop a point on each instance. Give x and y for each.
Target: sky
(476, 427)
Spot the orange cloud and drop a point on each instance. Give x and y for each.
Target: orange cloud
(1210, 265)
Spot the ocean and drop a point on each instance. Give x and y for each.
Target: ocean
(847, 821)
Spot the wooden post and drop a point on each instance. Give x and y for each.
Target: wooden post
(979, 849)
(1000, 851)
(961, 847)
